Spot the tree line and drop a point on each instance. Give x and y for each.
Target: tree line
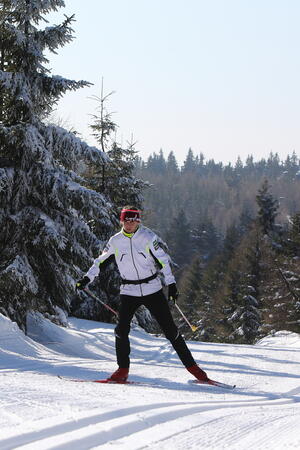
(234, 238)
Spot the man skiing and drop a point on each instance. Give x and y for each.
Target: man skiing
(139, 256)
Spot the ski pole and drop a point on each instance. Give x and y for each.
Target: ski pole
(88, 292)
(192, 327)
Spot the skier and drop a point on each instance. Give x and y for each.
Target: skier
(139, 256)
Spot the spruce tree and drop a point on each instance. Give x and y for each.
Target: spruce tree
(178, 238)
(190, 283)
(205, 311)
(117, 177)
(122, 185)
(172, 165)
(189, 164)
(206, 239)
(195, 302)
(102, 128)
(293, 237)
(51, 223)
(268, 207)
(240, 305)
(248, 320)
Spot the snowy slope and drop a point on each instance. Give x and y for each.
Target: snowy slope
(40, 411)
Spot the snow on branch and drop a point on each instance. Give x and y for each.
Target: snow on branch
(21, 272)
(70, 149)
(34, 9)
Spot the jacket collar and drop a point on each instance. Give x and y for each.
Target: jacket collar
(129, 235)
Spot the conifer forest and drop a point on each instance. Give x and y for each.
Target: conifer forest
(233, 233)
(232, 230)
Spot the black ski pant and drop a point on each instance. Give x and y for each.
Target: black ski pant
(158, 306)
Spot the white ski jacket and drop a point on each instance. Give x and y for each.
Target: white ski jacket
(138, 257)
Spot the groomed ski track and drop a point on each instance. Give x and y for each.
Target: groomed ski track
(40, 411)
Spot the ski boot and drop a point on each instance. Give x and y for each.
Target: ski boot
(198, 373)
(119, 376)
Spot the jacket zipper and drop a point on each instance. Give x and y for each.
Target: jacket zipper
(135, 266)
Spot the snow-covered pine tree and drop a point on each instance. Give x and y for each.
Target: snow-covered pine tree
(51, 223)
(281, 286)
(249, 320)
(241, 304)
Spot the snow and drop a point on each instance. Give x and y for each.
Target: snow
(282, 339)
(38, 410)
(21, 271)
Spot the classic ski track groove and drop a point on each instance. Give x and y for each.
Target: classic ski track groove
(226, 438)
(101, 428)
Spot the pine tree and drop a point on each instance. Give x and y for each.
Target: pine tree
(268, 207)
(196, 302)
(190, 283)
(240, 305)
(206, 239)
(117, 177)
(51, 223)
(245, 220)
(172, 165)
(122, 184)
(157, 163)
(102, 128)
(293, 237)
(273, 165)
(205, 314)
(282, 289)
(231, 304)
(249, 319)
(178, 238)
(238, 165)
(249, 164)
(189, 164)
(162, 162)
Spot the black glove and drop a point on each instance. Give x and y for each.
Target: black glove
(81, 284)
(173, 293)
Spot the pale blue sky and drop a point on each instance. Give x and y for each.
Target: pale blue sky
(219, 76)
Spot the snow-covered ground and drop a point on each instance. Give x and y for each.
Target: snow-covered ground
(41, 411)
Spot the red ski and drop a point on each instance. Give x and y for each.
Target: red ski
(108, 381)
(140, 383)
(214, 383)
(104, 381)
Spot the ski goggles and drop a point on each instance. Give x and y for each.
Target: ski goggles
(130, 215)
